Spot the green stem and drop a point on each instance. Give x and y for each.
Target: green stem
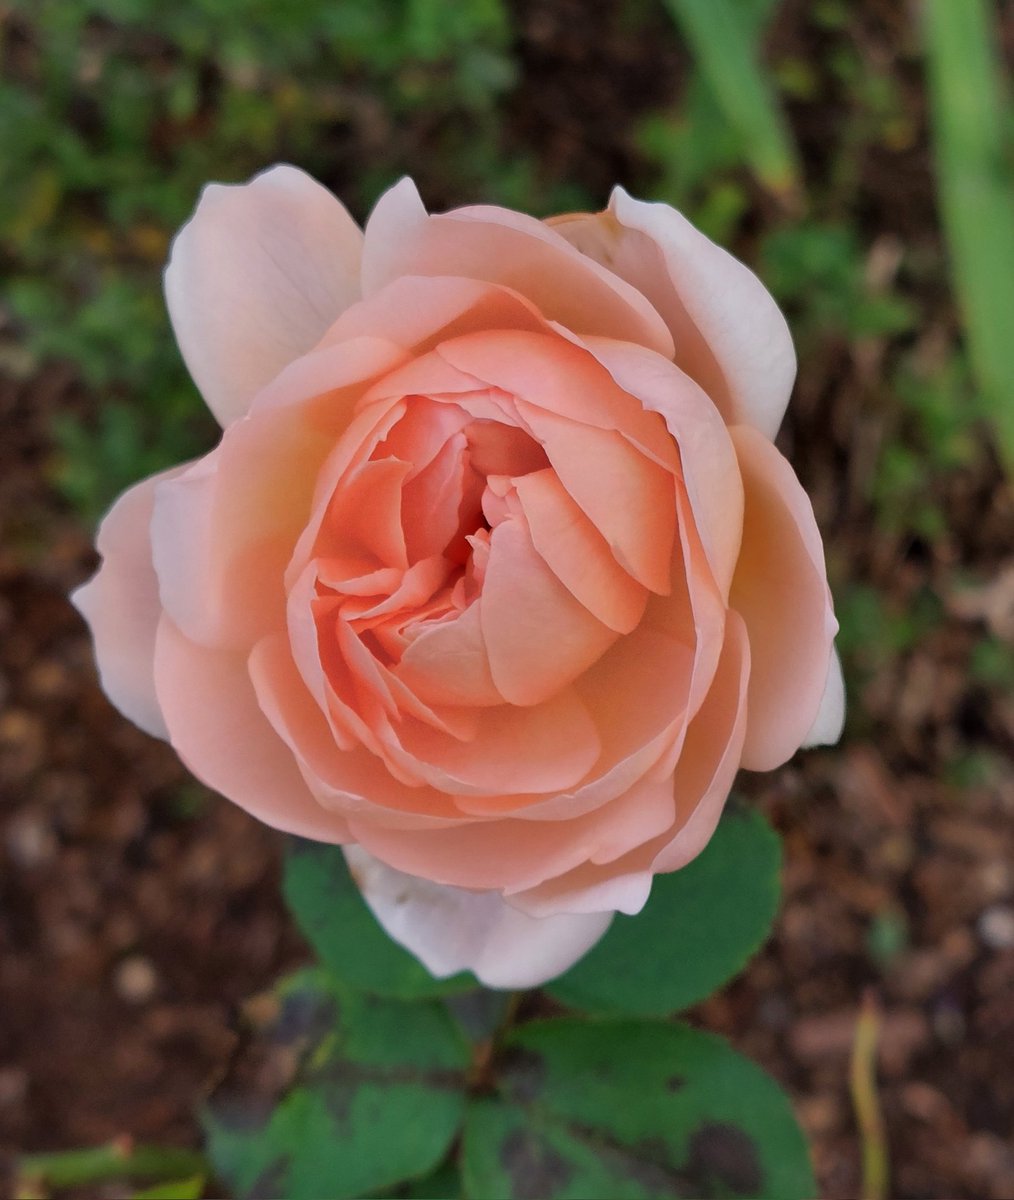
(118, 1159)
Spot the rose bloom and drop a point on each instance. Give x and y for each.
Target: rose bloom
(495, 577)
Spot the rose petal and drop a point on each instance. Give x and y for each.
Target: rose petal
(780, 589)
(121, 605)
(508, 248)
(218, 729)
(577, 553)
(708, 461)
(450, 930)
(539, 638)
(627, 497)
(830, 720)
(730, 335)
(255, 277)
(700, 787)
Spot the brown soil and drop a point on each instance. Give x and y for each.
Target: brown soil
(137, 911)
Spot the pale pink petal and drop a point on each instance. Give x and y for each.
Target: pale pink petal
(121, 605)
(730, 335)
(538, 636)
(218, 729)
(450, 930)
(780, 589)
(830, 720)
(255, 278)
(503, 247)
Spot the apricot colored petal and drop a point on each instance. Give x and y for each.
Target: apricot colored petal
(730, 335)
(830, 720)
(352, 780)
(417, 311)
(544, 748)
(560, 375)
(450, 930)
(577, 553)
(508, 248)
(637, 695)
(515, 855)
(709, 466)
(448, 663)
(121, 605)
(711, 752)
(538, 636)
(627, 497)
(255, 278)
(780, 589)
(218, 729)
(224, 529)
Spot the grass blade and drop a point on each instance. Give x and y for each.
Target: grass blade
(722, 38)
(971, 123)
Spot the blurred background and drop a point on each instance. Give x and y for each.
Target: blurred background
(859, 154)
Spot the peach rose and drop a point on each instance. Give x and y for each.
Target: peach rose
(495, 577)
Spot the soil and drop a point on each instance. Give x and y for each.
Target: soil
(138, 911)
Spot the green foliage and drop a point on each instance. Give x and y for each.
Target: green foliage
(117, 112)
(874, 630)
(633, 1110)
(361, 1093)
(699, 927)
(816, 271)
(339, 1094)
(722, 36)
(973, 128)
(344, 933)
(937, 433)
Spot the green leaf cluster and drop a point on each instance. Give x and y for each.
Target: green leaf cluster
(366, 1076)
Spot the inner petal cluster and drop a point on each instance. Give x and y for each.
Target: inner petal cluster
(476, 547)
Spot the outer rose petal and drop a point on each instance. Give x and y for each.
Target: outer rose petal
(508, 248)
(730, 335)
(830, 721)
(218, 728)
(780, 589)
(120, 603)
(450, 930)
(254, 280)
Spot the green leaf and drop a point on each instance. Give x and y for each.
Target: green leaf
(633, 1111)
(339, 1095)
(721, 36)
(972, 122)
(348, 940)
(700, 926)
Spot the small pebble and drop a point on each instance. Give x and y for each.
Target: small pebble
(996, 927)
(135, 979)
(30, 841)
(13, 1086)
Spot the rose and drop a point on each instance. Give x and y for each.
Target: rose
(495, 576)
